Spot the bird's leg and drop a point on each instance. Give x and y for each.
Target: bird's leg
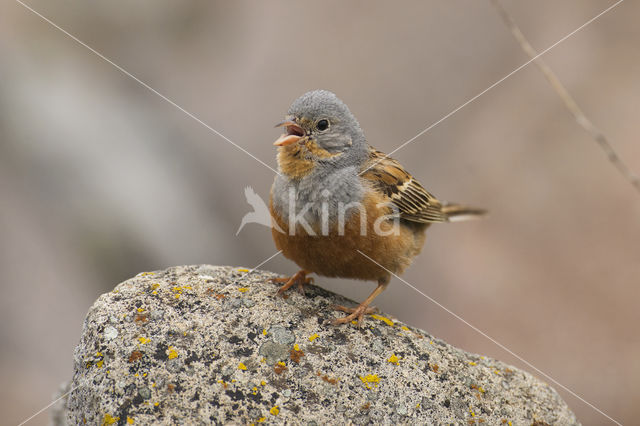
(299, 278)
(362, 309)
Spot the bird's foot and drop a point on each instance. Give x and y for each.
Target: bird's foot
(299, 278)
(355, 314)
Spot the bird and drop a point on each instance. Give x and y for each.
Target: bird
(346, 209)
(260, 214)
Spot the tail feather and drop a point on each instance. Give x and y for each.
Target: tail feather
(459, 212)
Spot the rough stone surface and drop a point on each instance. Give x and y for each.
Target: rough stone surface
(207, 344)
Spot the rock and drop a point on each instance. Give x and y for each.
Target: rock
(206, 344)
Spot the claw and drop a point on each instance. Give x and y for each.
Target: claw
(355, 314)
(299, 279)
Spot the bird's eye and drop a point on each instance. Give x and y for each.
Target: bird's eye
(322, 125)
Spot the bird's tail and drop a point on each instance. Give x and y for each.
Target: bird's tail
(459, 212)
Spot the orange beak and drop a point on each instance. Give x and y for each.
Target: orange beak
(293, 135)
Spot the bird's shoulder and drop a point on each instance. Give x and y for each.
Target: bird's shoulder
(411, 199)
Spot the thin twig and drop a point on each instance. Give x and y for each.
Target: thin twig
(568, 100)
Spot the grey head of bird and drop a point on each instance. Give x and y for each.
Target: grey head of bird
(320, 117)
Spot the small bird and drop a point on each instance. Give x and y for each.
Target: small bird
(346, 209)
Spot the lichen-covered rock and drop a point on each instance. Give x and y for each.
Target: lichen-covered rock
(206, 344)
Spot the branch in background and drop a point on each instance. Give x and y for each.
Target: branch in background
(568, 100)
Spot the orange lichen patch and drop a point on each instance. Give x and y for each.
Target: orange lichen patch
(171, 387)
(243, 289)
(366, 406)
(108, 419)
(313, 337)
(141, 318)
(295, 355)
(280, 368)
(393, 359)
(135, 355)
(478, 388)
(434, 367)
(370, 379)
(241, 366)
(327, 378)
(172, 352)
(275, 410)
(383, 319)
(143, 340)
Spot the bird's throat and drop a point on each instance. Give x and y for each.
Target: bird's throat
(297, 161)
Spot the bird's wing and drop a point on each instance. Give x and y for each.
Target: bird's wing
(413, 202)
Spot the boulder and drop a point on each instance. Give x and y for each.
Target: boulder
(212, 345)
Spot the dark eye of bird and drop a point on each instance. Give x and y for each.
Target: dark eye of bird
(322, 125)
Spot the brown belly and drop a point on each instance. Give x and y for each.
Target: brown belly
(337, 255)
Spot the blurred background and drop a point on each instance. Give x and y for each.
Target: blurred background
(101, 179)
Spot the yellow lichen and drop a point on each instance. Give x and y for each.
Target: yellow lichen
(296, 347)
(241, 366)
(243, 270)
(384, 319)
(109, 419)
(405, 328)
(262, 383)
(243, 289)
(154, 292)
(261, 419)
(143, 340)
(281, 363)
(313, 337)
(472, 363)
(144, 274)
(99, 364)
(274, 411)
(471, 412)
(393, 359)
(172, 352)
(370, 379)
(130, 420)
(140, 309)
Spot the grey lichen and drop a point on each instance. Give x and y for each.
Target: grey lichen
(207, 344)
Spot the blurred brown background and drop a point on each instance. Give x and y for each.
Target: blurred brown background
(101, 179)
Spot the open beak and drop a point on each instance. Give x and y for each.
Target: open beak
(293, 133)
